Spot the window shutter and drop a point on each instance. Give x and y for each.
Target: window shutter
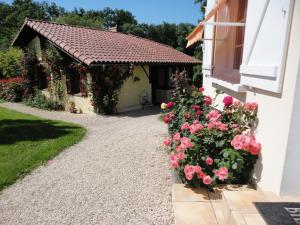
(266, 42)
(207, 42)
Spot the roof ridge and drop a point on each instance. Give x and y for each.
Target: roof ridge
(69, 25)
(99, 29)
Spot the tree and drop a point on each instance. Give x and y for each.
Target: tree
(76, 19)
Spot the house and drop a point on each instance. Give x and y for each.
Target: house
(152, 62)
(251, 52)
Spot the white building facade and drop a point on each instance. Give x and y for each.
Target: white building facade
(252, 52)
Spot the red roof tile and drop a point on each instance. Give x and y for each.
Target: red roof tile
(93, 46)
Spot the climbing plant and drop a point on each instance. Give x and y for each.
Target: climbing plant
(107, 82)
(55, 68)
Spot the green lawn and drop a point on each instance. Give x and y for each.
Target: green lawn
(27, 141)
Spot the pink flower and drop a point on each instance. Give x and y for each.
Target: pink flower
(237, 103)
(176, 137)
(185, 126)
(247, 143)
(213, 116)
(166, 119)
(189, 172)
(201, 89)
(222, 173)
(234, 125)
(222, 127)
(207, 100)
(194, 128)
(174, 164)
(255, 148)
(196, 107)
(207, 180)
(197, 169)
(187, 115)
(250, 106)
(167, 142)
(170, 105)
(198, 113)
(228, 100)
(180, 156)
(173, 160)
(186, 143)
(209, 161)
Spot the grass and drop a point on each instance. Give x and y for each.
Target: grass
(27, 142)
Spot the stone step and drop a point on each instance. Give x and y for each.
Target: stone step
(198, 206)
(239, 206)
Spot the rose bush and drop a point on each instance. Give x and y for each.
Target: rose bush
(14, 89)
(209, 146)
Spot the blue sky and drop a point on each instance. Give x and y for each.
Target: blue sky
(146, 11)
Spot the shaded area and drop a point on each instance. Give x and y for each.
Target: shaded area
(19, 130)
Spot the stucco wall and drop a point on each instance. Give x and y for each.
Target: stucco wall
(129, 97)
(275, 114)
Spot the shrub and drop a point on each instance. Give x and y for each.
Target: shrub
(11, 63)
(14, 89)
(38, 100)
(209, 146)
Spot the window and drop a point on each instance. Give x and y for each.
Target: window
(228, 40)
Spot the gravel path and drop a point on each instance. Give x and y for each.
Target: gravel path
(118, 174)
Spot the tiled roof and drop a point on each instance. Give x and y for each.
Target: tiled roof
(93, 46)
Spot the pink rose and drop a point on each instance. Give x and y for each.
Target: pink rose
(234, 125)
(185, 126)
(228, 100)
(189, 172)
(174, 164)
(207, 180)
(173, 160)
(255, 148)
(251, 106)
(197, 169)
(222, 173)
(222, 127)
(186, 143)
(180, 156)
(207, 100)
(209, 161)
(167, 142)
(176, 137)
(194, 128)
(213, 116)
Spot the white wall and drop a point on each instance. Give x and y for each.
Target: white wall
(275, 117)
(129, 97)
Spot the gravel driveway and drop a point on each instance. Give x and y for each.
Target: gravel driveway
(117, 174)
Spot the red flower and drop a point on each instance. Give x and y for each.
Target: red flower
(170, 105)
(228, 100)
(201, 89)
(196, 107)
(198, 113)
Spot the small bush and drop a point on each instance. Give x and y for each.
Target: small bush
(38, 100)
(11, 63)
(209, 145)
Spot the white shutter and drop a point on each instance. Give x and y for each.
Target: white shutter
(207, 42)
(266, 43)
